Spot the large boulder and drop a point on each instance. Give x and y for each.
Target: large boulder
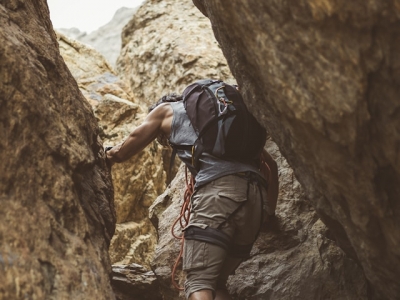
(293, 258)
(323, 76)
(57, 215)
(166, 46)
(142, 178)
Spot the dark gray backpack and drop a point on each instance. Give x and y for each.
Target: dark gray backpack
(224, 126)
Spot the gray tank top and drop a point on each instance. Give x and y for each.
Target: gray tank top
(182, 133)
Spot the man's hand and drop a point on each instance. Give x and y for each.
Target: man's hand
(109, 161)
(157, 121)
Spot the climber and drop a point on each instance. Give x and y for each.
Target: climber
(227, 204)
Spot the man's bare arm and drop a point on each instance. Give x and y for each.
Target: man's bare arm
(273, 182)
(156, 122)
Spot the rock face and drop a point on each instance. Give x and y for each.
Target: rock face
(166, 46)
(293, 258)
(106, 39)
(135, 282)
(95, 77)
(57, 215)
(142, 178)
(324, 76)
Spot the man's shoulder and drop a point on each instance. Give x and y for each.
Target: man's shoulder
(164, 109)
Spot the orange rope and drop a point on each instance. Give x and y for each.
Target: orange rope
(183, 220)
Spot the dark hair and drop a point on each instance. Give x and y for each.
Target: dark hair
(167, 98)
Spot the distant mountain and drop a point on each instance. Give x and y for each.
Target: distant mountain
(73, 33)
(106, 39)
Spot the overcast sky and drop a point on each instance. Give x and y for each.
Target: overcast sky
(86, 15)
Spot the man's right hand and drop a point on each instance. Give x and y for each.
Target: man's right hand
(109, 161)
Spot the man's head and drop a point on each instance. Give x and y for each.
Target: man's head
(165, 99)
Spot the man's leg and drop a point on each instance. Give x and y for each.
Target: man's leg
(202, 295)
(220, 294)
(247, 222)
(228, 268)
(203, 262)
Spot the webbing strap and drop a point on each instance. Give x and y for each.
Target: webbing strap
(172, 161)
(218, 238)
(208, 235)
(175, 149)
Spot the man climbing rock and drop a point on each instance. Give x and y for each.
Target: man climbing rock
(231, 196)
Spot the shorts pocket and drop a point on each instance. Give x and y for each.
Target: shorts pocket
(240, 196)
(195, 255)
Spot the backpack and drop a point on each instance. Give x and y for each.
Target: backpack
(224, 126)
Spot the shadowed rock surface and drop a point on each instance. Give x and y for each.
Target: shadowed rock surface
(56, 214)
(323, 76)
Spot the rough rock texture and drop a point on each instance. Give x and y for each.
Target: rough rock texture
(167, 45)
(95, 77)
(106, 39)
(324, 77)
(142, 178)
(135, 282)
(57, 215)
(293, 258)
(138, 181)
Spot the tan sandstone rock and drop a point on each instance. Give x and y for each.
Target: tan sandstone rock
(138, 181)
(56, 214)
(95, 77)
(324, 77)
(166, 46)
(135, 282)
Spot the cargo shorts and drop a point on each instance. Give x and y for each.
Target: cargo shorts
(235, 206)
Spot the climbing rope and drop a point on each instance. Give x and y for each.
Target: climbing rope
(183, 220)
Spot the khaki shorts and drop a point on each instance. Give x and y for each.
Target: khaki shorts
(234, 205)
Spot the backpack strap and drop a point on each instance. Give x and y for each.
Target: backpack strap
(172, 161)
(175, 149)
(198, 147)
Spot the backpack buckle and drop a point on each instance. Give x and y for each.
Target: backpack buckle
(222, 100)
